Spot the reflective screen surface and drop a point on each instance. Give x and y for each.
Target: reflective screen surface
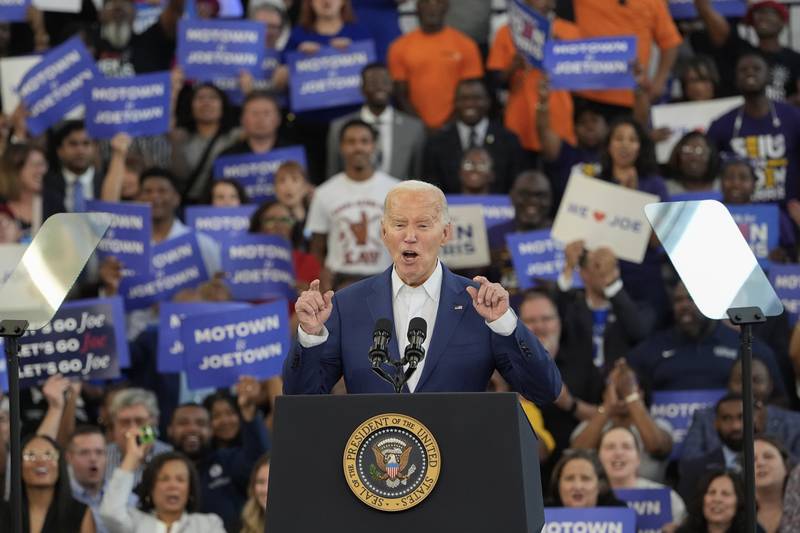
(50, 266)
(712, 257)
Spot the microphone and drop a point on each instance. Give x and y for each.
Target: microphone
(417, 331)
(381, 334)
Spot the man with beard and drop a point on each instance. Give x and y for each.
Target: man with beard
(344, 218)
(768, 19)
(225, 472)
(696, 353)
(472, 128)
(400, 136)
(764, 131)
(116, 31)
(73, 181)
(730, 429)
(532, 198)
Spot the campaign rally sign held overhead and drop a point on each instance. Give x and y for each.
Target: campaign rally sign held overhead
(55, 85)
(128, 238)
(220, 48)
(220, 348)
(256, 172)
(85, 339)
(138, 106)
(329, 78)
(176, 264)
(605, 63)
(259, 267)
(530, 31)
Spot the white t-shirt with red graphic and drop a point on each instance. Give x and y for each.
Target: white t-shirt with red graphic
(350, 213)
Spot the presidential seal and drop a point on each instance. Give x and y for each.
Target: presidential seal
(392, 462)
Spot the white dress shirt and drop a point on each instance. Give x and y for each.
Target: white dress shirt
(465, 132)
(382, 123)
(86, 179)
(409, 302)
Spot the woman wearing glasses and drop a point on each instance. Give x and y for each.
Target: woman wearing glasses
(693, 166)
(47, 502)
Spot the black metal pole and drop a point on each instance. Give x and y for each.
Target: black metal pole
(747, 442)
(12, 366)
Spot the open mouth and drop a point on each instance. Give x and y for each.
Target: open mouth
(409, 256)
(618, 465)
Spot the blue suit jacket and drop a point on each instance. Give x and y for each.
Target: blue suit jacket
(462, 355)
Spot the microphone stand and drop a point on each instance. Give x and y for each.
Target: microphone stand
(11, 331)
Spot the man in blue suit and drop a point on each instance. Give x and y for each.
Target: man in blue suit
(471, 329)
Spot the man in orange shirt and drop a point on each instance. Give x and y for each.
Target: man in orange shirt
(523, 84)
(649, 21)
(428, 63)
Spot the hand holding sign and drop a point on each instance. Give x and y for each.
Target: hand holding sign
(314, 308)
(55, 390)
(110, 274)
(490, 299)
(572, 256)
(247, 391)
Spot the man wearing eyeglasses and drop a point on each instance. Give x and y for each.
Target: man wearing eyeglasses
(470, 129)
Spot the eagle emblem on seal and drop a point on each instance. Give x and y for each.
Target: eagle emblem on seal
(392, 457)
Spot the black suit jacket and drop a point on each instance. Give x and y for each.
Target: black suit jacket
(628, 324)
(55, 187)
(693, 470)
(443, 152)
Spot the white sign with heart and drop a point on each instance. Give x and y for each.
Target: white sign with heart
(604, 214)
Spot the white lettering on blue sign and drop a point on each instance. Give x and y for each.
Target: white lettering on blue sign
(582, 527)
(237, 330)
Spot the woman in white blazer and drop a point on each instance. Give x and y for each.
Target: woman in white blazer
(168, 496)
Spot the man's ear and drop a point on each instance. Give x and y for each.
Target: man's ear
(447, 234)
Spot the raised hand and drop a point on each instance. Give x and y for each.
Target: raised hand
(314, 308)
(490, 300)
(54, 390)
(248, 390)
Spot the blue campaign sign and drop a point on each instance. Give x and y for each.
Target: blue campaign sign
(697, 195)
(171, 315)
(261, 81)
(604, 63)
(785, 280)
(328, 78)
(530, 31)
(85, 339)
(684, 9)
(759, 223)
(219, 348)
(14, 10)
(220, 222)
(259, 267)
(55, 85)
(256, 172)
(653, 507)
(220, 48)
(138, 106)
(497, 208)
(128, 238)
(678, 407)
(176, 264)
(536, 256)
(574, 519)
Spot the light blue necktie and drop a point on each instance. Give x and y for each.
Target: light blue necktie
(78, 200)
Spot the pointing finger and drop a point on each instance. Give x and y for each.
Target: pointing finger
(480, 279)
(314, 286)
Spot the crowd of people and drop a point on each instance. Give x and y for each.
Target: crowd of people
(452, 102)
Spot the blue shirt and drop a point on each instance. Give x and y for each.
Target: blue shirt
(772, 143)
(669, 360)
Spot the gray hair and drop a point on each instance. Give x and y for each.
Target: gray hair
(134, 396)
(420, 187)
